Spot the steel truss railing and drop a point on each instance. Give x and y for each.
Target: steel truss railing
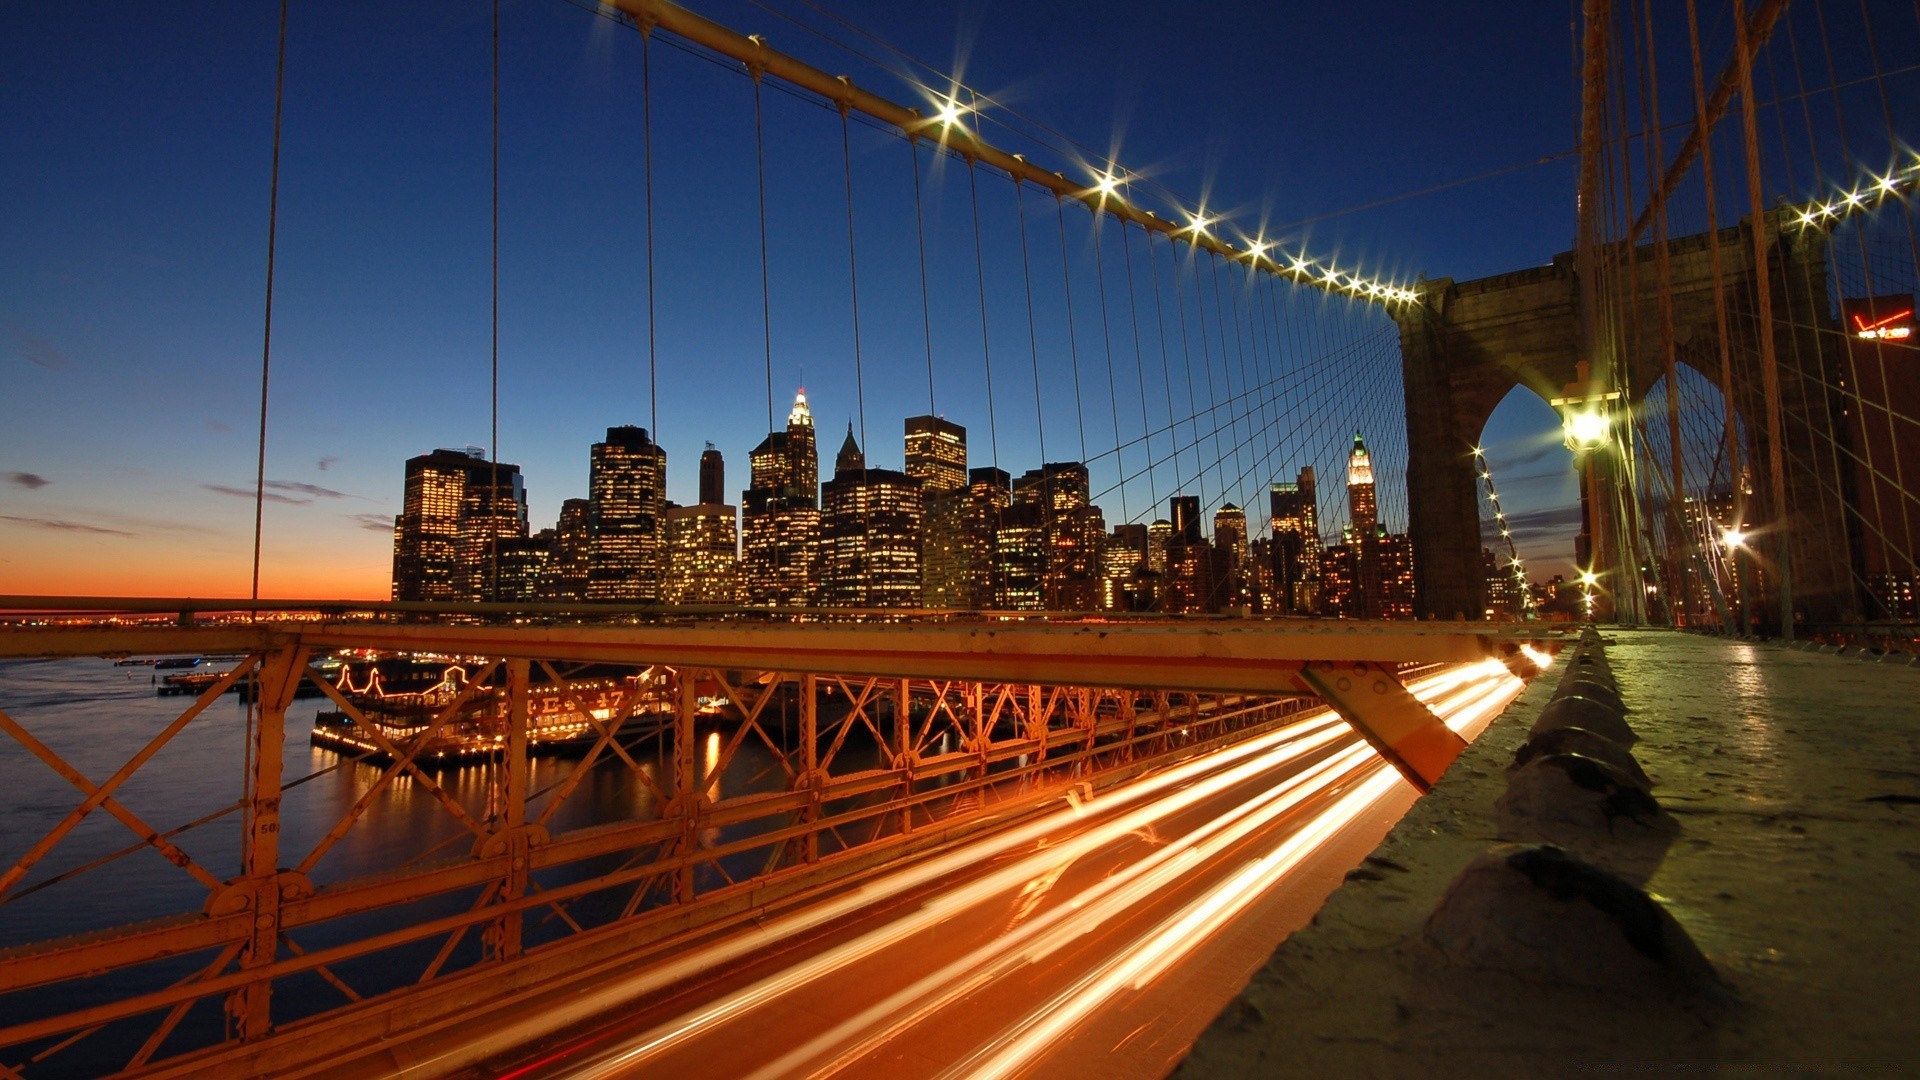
(965, 724)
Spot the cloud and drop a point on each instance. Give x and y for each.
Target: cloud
(30, 481)
(380, 523)
(243, 493)
(219, 427)
(38, 351)
(1554, 523)
(327, 463)
(63, 525)
(314, 490)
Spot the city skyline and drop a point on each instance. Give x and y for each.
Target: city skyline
(935, 535)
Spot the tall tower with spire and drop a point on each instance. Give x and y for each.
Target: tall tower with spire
(780, 514)
(1362, 509)
(803, 454)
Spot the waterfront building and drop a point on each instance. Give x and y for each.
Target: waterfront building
(703, 561)
(455, 509)
(627, 496)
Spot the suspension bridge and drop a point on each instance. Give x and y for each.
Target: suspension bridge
(947, 765)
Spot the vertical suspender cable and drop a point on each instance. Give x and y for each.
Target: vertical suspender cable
(980, 279)
(1073, 337)
(1769, 365)
(853, 274)
(1139, 369)
(493, 429)
(266, 336)
(1106, 338)
(646, 156)
(766, 301)
(1731, 446)
(920, 236)
(859, 375)
(1033, 336)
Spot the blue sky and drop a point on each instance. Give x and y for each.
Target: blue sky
(133, 200)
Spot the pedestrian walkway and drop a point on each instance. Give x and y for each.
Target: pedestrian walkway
(1795, 779)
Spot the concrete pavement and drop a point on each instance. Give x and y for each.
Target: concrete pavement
(1795, 779)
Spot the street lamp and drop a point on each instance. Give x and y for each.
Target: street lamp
(1587, 407)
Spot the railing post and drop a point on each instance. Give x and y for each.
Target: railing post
(511, 837)
(258, 888)
(689, 786)
(810, 778)
(903, 747)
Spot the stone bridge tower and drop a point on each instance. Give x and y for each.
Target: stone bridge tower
(1469, 343)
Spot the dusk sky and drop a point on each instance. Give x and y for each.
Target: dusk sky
(133, 213)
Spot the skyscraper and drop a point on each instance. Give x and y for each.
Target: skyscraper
(936, 453)
(937, 457)
(627, 498)
(869, 534)
(1230, 545)
(989, 493)
(1184, 512)
(1159, 536)
(703, 562)
(567, 571)
(1122, 563)
(780, 515)
(1020, 558)
(1362, 511)
(1074, 530)
(713, 477)
(1296, 544)
(456, 508)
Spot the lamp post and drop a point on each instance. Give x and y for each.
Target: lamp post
(1734, 540)
(1587, 410)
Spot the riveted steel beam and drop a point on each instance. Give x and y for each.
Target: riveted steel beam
(1391, 719)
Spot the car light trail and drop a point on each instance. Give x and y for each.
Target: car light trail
(1153, 871)
(1314, 731)
(1060, 927)
(1335, 779)
(1169, 942)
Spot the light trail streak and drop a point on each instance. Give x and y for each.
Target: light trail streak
(1168, 943)
(1062, 926)
(1011, 877)
(534, 1024)
(1464, 697)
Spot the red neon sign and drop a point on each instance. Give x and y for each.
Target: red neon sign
(1883, 328)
